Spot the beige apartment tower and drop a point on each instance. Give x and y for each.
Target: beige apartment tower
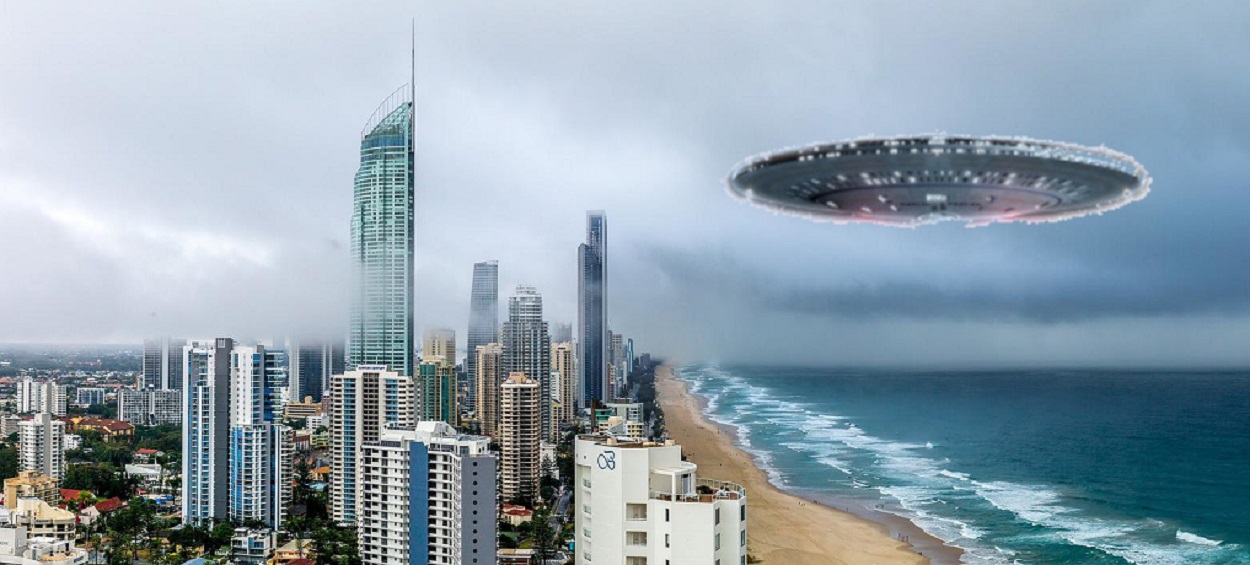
(489, 368)
(520, 432)
(562, 368)
(439, 342)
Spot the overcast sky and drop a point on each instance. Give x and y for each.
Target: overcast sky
(185, 169)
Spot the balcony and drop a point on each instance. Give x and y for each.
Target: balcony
(706, 490)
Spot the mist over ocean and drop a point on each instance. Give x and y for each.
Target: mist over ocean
(1039, 466)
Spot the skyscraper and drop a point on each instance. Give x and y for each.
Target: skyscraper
(563, 368)
(483, 320)
(592, 310)
(364, 402)
(489, 362)
(260, 447)
(381, 331)
(440, 342)
(438, 392)
(312, 362)
(520, 428)
(427, 496)
(236, 457)
(206, 432)
(162, 363)
(527, 347)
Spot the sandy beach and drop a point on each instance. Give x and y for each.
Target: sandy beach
(783, 529)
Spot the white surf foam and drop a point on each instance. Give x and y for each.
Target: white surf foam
(1195, 538)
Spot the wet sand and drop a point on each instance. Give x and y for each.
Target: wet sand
(783, 529)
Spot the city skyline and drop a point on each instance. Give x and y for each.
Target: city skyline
(111, 250)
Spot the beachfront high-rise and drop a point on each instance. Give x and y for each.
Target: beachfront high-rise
(236, 456)
(638, 502)
(162, 363)
(42, 442)
(592, 310)
(527, 347)
(520, 427)
(260, 447)
(489, 376)
(483, 320)
(206, 431)
(363, 402)
(564, 369)
(381, 330)
(427, 496)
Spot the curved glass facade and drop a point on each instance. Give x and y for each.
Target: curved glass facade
(381, 330)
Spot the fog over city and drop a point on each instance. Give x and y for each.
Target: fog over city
(187, 169)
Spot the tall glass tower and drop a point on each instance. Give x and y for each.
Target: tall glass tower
(483, 321)
(592, 310)
(527, 348)
(381, 330)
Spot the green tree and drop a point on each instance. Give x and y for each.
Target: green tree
(8, 461)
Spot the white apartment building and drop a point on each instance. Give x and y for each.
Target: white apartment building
(41, 396)
(638, 503)
(42, 442)
(149, 407)
(364, 402)
(427, 495)
(86, 396)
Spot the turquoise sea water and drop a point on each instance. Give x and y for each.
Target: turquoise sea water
(1013, 466)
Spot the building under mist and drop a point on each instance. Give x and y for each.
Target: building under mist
(592, 310)
(483, 321)
(381, 327)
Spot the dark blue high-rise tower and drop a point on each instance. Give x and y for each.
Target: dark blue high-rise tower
(592, 310)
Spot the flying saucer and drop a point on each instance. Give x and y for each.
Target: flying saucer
(922, 179)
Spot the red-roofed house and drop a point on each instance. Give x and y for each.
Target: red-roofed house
(108, 429)
(517, 515)
(106, 506)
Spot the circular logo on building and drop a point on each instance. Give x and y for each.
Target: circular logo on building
(607, 460)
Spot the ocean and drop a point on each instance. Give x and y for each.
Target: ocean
(1035, 466)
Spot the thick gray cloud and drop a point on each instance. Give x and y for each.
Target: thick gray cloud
(187, 169)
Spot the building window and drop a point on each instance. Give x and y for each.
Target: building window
(665, 540)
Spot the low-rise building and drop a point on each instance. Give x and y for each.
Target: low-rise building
(72, 441)
(31, 484)
(293, 551)
(43, 520)
(252, 546)
(109, 430)
(515, 514)
(302, 410)
(147, 455)
(19, 547)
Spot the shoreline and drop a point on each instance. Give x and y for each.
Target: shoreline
(782, 527)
